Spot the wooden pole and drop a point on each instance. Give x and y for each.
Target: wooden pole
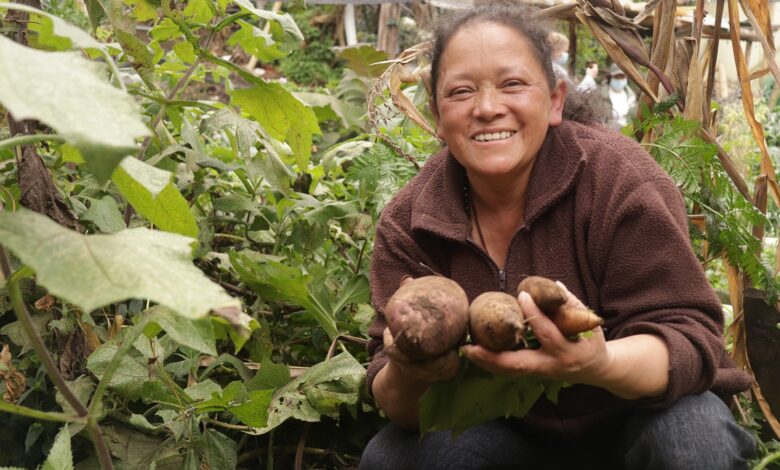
(387, 35)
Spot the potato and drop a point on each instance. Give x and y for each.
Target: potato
(550, 298)
(496, 321)
(427, 316)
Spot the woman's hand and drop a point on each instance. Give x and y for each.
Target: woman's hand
(631, 367)
(399, 385)
(440, 368)
(583, 360)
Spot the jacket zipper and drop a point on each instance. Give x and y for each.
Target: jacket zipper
(501, 273)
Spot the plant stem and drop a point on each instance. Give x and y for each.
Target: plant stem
(767, 460)
(100, 391)
(30, 139)
(26, 321)
(38, 414)
(48, 363)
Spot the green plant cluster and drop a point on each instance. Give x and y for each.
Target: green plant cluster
(314, 63)
(212, 309)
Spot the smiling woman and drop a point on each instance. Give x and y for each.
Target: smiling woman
(528, 185)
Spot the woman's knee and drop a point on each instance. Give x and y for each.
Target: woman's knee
(697, 432)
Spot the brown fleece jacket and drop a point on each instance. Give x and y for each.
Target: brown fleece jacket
(602, 217)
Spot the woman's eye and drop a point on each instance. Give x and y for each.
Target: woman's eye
(459, 91)
(513, 83)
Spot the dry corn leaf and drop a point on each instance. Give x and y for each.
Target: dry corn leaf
(694, 105)
(760, 201)
(403, 103)
(616, 54)
(762, 21)
(767, 167)
(663, 45)
(757, 19)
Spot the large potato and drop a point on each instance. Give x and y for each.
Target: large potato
(427, 316)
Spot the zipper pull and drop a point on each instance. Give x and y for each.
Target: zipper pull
(502, 281)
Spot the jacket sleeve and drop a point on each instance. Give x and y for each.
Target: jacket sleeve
(651, 282)
(397, 255)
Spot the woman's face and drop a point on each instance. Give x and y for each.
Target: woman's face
(494, 101)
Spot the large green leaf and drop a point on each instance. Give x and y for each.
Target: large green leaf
(475, 397)
(151, 192)
(197, 334)
(60, 456)
(365, 60)
(321, 390)
(276, 281)
(282, 115)
(91, 271)
(65, 91)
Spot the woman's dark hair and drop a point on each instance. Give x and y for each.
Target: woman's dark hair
(527, 21)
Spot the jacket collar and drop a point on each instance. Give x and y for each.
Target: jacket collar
(439, 207)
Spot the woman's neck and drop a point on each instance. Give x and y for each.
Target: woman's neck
(498, 197)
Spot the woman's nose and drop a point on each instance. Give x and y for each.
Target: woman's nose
(488, 104)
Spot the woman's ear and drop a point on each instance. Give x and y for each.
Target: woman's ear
(557, 99)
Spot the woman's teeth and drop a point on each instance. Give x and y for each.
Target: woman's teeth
(493, 136)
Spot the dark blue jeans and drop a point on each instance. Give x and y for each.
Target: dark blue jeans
(698, 432)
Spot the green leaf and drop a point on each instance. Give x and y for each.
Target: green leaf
(267, 162)
(203, 390)
(475, 397)
(270, 376)
(257, 42)
(95, 11)
(197, 334)
(164, 30)
(104, 213)
(320, 390)
(91, 271)
(281, 115)
(128, 379)
(254, 412)
(364, 60)
(292, 34)
(150, 191)
(82, 389)
(50, 26)
(60, 456)
(200, 11)
(355, 291)
(63, 90)
(219, 450)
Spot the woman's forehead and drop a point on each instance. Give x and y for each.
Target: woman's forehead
(487, 45)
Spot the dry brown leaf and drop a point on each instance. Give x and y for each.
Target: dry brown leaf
(767, 167)
(617, 55)
(46, 302)
(663, 45)
(760, 201)
(694, 104)
(762, 22)
(15, 382)
(404, 104)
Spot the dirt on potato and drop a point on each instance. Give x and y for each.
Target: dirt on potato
(427, 316)
(496, 321)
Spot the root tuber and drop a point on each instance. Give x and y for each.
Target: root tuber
(496, 321)
(551, 299)
(427, 316)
